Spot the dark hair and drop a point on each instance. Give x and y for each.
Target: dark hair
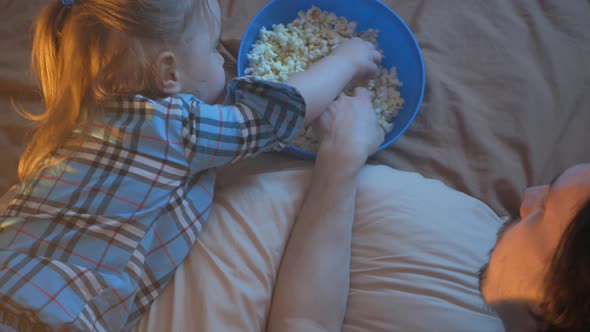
(567, 283)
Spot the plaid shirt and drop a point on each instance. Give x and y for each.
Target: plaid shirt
(89, 243)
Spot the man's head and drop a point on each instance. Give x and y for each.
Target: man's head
(538, 276)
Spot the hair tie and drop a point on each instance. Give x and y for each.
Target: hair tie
(63, 11)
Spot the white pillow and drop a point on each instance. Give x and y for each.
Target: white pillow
(417, 246)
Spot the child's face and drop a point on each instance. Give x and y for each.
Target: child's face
(202, 72)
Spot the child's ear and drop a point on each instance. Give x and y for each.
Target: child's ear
(167, 75)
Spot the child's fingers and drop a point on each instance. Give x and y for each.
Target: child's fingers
(370, 45)
(375, 69)
(371, 70)
(377, 56)
(361, 92)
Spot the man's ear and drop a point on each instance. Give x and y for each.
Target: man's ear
(167, 75)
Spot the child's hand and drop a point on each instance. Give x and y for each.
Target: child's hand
(353, 59)
(349, 130)
(362, 54)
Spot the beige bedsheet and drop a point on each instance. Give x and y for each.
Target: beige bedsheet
(506, 105)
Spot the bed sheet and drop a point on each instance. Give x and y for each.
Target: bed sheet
(506, 103)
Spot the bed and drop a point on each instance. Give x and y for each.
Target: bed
(506, 107)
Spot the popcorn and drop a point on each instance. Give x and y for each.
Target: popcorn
(286, 50)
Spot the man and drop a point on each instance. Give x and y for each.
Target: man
(538, 276)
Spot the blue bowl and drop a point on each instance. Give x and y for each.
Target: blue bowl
(395, 39)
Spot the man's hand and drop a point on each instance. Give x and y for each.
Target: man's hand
(362, 55)
(349, 130)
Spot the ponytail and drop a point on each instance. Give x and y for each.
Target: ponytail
(46, 66)
(89, 52)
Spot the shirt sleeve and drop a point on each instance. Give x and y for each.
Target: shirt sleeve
(256, 117)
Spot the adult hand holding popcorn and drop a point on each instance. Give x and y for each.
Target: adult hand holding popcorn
(350, 114)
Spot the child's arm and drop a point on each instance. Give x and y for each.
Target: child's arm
(321, 84)
(262, 115)
(259, 116)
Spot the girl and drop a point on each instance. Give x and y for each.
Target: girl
(118, 178)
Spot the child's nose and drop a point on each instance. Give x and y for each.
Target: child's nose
(532, 199)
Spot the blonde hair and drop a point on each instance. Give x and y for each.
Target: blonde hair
(93, 50)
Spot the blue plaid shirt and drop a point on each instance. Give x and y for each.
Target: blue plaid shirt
(89, 243)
